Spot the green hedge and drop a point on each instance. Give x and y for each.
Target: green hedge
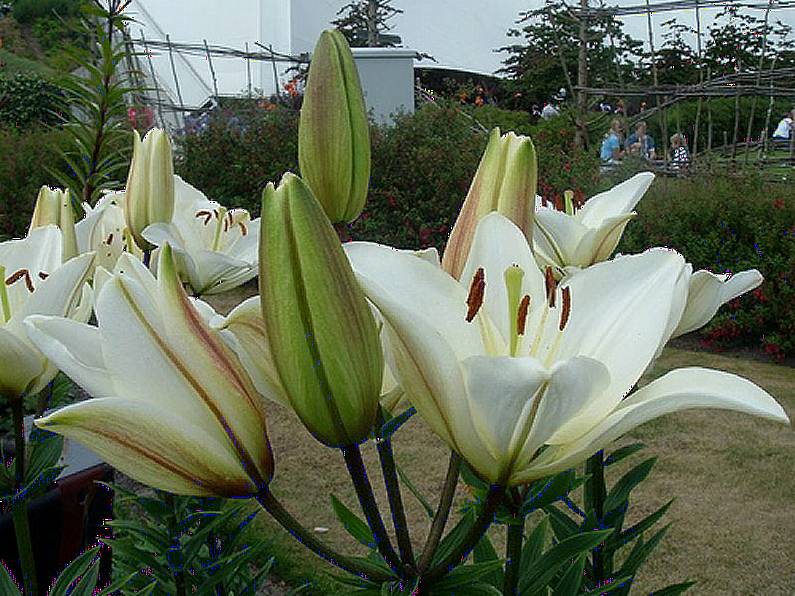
(25, 159)
(728, 224)
(28, 98)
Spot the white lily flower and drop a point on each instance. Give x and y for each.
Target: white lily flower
(172, 407)
(590, 234)
(103, 230)
(526, 389)
(216, 248)
(33, 281)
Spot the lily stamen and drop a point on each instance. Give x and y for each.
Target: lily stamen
(43, 275)
(551, 286)
(6, 306)
(243, 228)
(109, 239)
(21, 274)
(205, 214)
(564, 314)
(475, 297)
(521, 317)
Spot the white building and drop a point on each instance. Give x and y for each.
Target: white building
(459, 34)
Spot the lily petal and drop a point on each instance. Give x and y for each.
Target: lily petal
(20, 365)
(708, 292)
(153, 445)
(680, 389)
(75, 349)
(619, 200)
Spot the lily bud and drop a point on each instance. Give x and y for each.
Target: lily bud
(150, 185)
(333, 133)
(324, 340)
(54, 207)
(505, 182)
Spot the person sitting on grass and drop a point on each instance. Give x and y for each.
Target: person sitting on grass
(610, 152)
(640, 143)
(784, 128)
(680, 156)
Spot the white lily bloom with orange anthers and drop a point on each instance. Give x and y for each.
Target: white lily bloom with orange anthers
(216, 248)
(525, 378)
(34, 281)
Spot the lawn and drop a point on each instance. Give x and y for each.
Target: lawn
(733, 477)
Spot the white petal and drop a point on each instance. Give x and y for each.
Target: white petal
(497, 245)
(75, 348)
(619, 314)
(426, 296)
(558, 235)
(708, 292)
(680, 389)
(501, 392)
(599, 243)
(619, 200)
(60, 293)
(19, 365)
(154, 445)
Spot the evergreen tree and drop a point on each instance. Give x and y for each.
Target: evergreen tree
(365, 23)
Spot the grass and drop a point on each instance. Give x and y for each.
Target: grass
(733, 477)
(12, 64)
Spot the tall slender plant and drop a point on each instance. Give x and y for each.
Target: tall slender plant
(95, 107)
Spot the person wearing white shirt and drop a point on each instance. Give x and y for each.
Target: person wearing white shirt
(784, 128)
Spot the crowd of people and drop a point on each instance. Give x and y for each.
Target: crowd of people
(640, 144)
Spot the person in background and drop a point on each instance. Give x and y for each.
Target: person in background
(784, 128)
(640, 143)
(610, 151)
(550, 111)
(620, 109)
(680, 156)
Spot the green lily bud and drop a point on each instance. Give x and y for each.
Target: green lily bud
(323, 338)
(54, 207)
(150, 185)
(333, 134)
(505, 182)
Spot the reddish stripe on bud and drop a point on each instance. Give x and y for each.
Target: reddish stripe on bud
(564, 314)
(551, 285)
(475, 297)
(521, 317)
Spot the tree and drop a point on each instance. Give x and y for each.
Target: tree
(545, 57)
(364, 23)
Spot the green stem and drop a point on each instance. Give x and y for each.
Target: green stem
(358, 473)
(595, 495)
(387, 458)
(442, 512)
(19, 506)
(305, 537)
(513, 554)
(173, 530)
(462, 550)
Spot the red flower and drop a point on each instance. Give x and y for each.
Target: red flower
(778, 204)
(760, 295)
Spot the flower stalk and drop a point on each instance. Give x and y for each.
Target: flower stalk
(595, 495)
(358, 473)
(513, 551)
(387, 459)
(442, 511)
(19, 506)
(270, 504)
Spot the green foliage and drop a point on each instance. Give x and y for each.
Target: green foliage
(24, 160)
(27, 99)
(96, 108)
(729, 223)
(203, 543)
(28, 11)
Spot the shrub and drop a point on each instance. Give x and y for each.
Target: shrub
(232, 160)
(27, 11)
(27, 99)
(727, 224)
(24, 163)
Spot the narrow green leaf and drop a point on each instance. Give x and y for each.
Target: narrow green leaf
(74, 570)
(543, 570)
(549, 490)
(354, 525)
(569, 584)
(464, 575)
(454, 537)
(622, 453)
(640, 553)
(484, 552)
(619, 494)
(7, 583)
(429, 510)
(633, 532)
(674, 589)
(534, 545)
(392, 425)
